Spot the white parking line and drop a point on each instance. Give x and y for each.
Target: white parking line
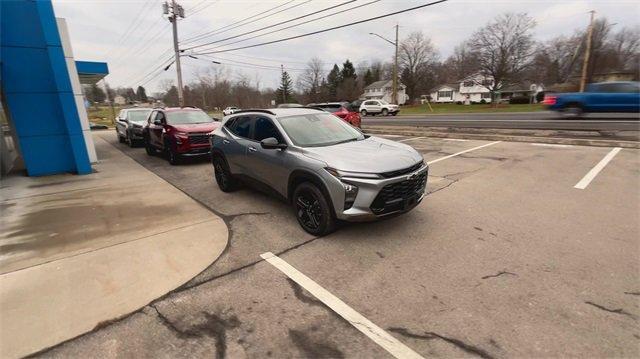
(375, 333)
(455, 139)
(550, 145)
(410, 139)
(390, 135)
(461, 152)
(584, 182)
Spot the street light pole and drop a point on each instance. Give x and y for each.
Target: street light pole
(394, 96)
(395, 71)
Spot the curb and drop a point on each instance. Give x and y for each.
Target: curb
(506, 137)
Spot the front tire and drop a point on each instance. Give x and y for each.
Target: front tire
(225, 180)
(385, 112)
(363, 113)
(312, 210)
(172, 156)
(151, 151)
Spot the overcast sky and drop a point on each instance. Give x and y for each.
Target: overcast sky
(134, 38)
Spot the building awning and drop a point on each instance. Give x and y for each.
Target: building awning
(90, 72)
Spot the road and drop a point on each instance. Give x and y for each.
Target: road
(526, 120)
(504, 258)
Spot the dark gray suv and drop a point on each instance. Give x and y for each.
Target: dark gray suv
(325, 168)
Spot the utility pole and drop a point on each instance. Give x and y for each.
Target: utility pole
(176, 11)
(587, 54)
(284, 99)
(395, 71)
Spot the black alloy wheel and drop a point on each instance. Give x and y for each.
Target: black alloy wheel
(312, 210)
(225, 180)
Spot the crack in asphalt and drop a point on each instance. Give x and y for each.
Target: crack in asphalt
(499, 274)
(213, 326)
(468, 348)
(632, 293)
(616, 311)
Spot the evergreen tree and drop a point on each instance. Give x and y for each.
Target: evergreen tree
(141, 94)
(368, 78)
(94, 94)
(333, 81)
(348, 71)
(284, 93)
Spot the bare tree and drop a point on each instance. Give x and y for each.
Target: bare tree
(504, 48)
(462, 63)
(417, 54)
(310, 81)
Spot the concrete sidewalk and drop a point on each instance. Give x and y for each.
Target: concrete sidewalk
(76, 251)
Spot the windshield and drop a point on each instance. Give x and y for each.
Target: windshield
(186, 117)
(320, 129)
(383, 102)
(138, 115)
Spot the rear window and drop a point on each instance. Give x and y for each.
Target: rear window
(329, 108)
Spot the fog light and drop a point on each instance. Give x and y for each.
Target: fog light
(350, 193)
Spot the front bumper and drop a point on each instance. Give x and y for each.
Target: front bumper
(379, 198)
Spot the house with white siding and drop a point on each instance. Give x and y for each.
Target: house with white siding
(383, 90)
(473, 89)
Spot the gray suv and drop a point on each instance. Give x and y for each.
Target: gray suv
(327, 169)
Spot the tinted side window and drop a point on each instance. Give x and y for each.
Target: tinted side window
(160, 117)
(241, 126)
(264, 128)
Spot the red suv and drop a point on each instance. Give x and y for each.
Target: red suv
(344, 110)
(178, 132)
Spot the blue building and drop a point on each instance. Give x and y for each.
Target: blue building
(45, 127)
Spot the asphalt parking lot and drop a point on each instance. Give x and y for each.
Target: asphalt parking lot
(504, 257)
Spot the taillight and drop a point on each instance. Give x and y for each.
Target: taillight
(549, 100)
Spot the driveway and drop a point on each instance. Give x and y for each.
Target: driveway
(517, 250)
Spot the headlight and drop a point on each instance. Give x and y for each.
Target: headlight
(181, 137)
(340, 174)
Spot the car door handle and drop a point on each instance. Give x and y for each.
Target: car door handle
(252, 149)
(226, 142)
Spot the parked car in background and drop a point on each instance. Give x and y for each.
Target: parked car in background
(130, 125)
(178, 132)
(382, 107)
(229, 110)
(325, 168)
(623, 96)
(343, 110)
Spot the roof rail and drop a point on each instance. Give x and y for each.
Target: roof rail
(254, 110)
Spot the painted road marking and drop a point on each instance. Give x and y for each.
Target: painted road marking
(364, 325)
(455, 139)
(550, 145)
(461, 152)
(584, 182)
(411, 139)
(391, 135)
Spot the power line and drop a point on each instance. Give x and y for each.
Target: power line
(273, 25)
(329, 29)
(132, 26)
(202, 8)
(228, 27)
(291, 26)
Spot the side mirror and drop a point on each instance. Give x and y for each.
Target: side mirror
(157, 122)
(271, 144)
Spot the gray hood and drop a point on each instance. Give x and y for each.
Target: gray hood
(372, 155)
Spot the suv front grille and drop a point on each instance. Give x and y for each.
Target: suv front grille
(403, 171)
(197, 139)
(400, 195)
